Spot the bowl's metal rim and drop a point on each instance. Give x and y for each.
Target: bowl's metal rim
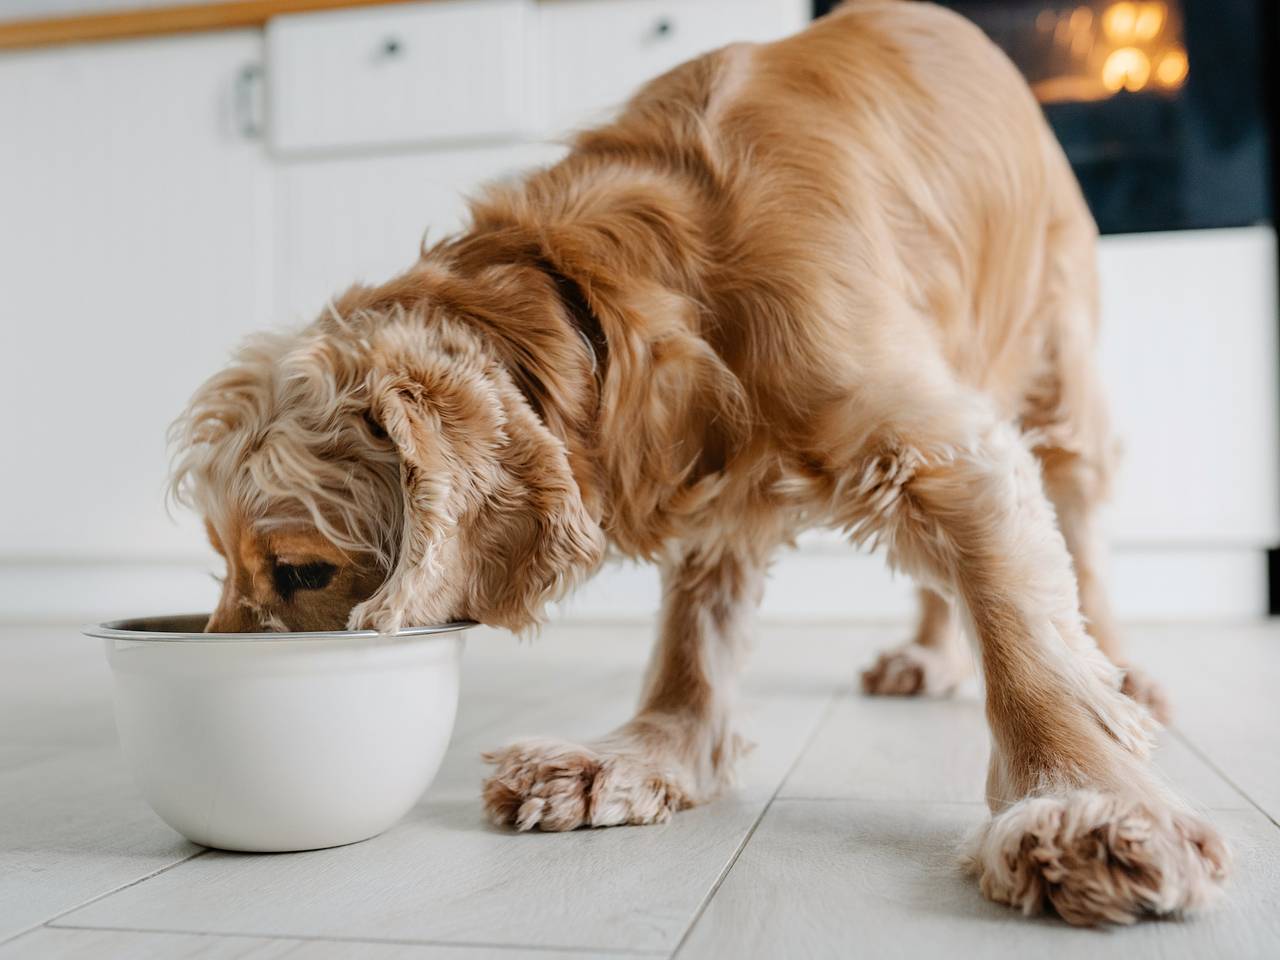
(117, 630)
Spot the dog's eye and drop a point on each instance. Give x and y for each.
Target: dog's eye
(290, 577)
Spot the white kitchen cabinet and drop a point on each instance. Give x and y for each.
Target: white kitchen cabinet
(1189, 357)
(449, 70)
(134, 251)
(595, 53)
(364, 218)
(142, 234)
(360, 212)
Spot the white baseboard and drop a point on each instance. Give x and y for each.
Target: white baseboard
(820, 581)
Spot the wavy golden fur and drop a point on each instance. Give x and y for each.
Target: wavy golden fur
(845, 279)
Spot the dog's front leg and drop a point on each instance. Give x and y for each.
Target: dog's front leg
(680, 747)
(1081, 822)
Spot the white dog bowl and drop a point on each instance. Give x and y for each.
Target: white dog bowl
(281, 741)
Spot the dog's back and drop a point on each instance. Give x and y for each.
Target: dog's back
(882, 182)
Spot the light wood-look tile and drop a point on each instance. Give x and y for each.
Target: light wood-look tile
(55, 689)
(896, 748)
(73, 827)
(829, 878)
(14, 755)
(54, 943)
(1195, 780)
(443, 875)
(1223, 681)
(868, 867)
(935, 750)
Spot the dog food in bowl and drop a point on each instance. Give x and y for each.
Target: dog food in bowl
(281, 741)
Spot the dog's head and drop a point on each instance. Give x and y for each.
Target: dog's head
(379, 469)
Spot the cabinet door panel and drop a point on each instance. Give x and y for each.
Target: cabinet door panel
(1189, 357)
(133, 254)
(363, 219)
(444, 71)
(598, 52)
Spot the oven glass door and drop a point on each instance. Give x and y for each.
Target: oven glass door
(1160, 105)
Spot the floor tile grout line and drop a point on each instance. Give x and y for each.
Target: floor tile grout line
(1204, 757)
(906, 801)
(393, 941)
(832, 702)
(1246, 804)
(114, 890)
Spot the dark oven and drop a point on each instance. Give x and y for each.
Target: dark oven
(1164, 107)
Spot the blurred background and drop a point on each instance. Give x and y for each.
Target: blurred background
(174, 177)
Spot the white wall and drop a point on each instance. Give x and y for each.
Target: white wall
(144, 233)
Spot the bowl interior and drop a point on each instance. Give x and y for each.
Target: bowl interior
(189, 627)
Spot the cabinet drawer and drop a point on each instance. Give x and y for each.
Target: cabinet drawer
(447, 70)
(597, 52)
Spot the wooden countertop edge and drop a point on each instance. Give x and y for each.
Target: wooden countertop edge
(159, 21)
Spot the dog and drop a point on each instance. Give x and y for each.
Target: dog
(846, 279)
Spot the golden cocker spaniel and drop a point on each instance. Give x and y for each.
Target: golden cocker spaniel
(846, 279)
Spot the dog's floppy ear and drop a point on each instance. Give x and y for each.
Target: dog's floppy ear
(409, 596)
(494, 526)
(533, 539)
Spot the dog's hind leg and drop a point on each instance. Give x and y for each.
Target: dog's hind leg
(1075, 485)
(1081, 822)
(933, 662)
(679, 749)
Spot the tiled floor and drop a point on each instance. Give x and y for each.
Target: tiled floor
(839, 841)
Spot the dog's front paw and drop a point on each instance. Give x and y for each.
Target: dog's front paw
(1147, 692)
(913, 670)
(1096, 859)
(553, 785)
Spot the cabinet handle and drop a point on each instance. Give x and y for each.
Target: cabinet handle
(248, 112)
(391, 47)
(665, 27)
